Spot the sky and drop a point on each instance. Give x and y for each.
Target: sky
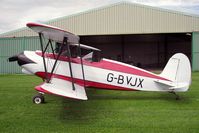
(15, 14)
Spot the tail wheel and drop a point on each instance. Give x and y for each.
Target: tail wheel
(38, 99)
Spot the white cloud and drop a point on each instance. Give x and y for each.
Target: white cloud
(15, 14)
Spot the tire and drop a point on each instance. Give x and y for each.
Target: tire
(38, 99)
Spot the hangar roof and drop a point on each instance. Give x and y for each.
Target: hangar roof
(121, 18)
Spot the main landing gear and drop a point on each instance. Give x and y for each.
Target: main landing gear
(38, 99)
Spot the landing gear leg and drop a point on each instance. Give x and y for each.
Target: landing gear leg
(177, 96)
(38, 99)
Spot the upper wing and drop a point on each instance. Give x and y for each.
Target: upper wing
(57, 35)
(63, 88)
(53, 33)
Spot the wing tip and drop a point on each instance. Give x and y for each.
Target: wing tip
(30, 24)
(40, 89)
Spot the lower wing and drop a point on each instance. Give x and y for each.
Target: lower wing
(63, 88)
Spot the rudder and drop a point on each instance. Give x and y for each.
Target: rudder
(178, 70)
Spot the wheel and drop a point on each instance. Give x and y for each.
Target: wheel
(38, 99)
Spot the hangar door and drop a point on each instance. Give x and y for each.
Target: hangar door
(148, 51)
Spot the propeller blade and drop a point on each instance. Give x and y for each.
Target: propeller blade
(13, 58)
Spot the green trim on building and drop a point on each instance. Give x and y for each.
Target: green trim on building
(195, 51)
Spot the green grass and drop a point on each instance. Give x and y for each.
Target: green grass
(105, 111)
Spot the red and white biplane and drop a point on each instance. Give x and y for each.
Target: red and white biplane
(71, 67)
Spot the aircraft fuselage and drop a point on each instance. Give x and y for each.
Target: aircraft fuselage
(105, 74)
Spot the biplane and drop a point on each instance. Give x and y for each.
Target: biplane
(68, 68)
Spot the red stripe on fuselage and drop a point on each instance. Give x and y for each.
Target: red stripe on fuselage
(87, 83)
(104, 64)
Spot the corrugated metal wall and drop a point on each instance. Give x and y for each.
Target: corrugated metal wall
(123, 18)
(195, 51)
(12, 46)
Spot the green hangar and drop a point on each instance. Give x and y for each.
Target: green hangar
(137, 34)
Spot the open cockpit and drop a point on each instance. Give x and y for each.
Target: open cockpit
(79, 50)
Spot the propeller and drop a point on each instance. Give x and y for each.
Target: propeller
(20, 58)
(13, 58)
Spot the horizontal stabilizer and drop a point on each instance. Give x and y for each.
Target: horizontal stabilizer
(172, 85)
(180, 86)
(63, 88)
(166, 83)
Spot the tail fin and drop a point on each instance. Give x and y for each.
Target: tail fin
(178, 70)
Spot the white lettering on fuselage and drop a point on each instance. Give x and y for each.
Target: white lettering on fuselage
(128, 80)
